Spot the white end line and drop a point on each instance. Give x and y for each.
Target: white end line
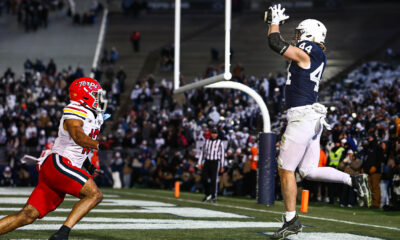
(267, 211)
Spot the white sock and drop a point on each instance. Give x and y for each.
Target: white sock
(329, 174)
(290, 215)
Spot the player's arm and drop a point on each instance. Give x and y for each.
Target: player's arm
(279, 45)
(75, 129)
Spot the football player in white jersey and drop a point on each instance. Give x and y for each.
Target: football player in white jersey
(60, 172)
(300, 144)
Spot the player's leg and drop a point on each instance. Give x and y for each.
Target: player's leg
(292, 150)
(309, 169)
(214, 169)
(90, 196)
(66, 178)
(205, 176)
(26, 216)
(291, 153)
(288, 189)
(293, 147)
(41, 201)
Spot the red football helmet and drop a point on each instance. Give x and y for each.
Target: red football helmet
(88, 93)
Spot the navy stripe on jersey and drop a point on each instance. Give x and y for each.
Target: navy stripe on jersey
(76, 115)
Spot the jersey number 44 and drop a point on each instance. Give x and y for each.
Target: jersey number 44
(316, 75)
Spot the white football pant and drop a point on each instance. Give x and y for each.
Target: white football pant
(300, 145)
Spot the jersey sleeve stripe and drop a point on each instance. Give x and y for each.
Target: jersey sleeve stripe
(72, 114)
(76, 112)
(77, 109)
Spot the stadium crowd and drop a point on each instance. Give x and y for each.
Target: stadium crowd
(34, 14)
(158, 141)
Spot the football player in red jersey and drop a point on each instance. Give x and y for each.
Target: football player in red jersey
(60, 172)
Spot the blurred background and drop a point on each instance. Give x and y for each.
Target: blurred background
(154, 137)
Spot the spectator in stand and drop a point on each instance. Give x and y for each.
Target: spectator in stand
(121, 76)
(135, 40)
(394, 175)
(335, 156)
(167, 55)
(116, 91)
(372, 166)
(127, 172)
(322, 188)
(113, 55)
(159, 142)
(117, 167)
(6, 178)
(351, 165)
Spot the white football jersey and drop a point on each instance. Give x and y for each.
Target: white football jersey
(65, 145)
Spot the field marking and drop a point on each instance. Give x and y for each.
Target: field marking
(321, 235)
(261, 210)
(105, 202)
(26, 191)
(156, 224)
(189, 212)
(144, 220)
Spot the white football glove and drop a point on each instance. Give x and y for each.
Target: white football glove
(278, 14)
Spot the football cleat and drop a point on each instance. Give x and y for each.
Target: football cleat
(59, 236)
(206, 198)
(360, 185)
(292, 227)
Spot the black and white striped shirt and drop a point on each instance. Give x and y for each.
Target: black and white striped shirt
(213, 150)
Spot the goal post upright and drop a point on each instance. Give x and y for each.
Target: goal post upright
(177, 49)
(177, 44)
(228, 19)
(267, 139)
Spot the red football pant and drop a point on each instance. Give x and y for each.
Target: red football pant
(57, 177)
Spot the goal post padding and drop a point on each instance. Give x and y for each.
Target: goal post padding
(266, 168)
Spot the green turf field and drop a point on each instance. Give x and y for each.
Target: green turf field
(156, 214)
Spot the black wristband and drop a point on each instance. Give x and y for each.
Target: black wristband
(277, 44)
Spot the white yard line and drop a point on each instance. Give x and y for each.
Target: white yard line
(260, 210)
(155, 224)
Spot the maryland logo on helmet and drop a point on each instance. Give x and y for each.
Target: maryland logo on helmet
(88, 92)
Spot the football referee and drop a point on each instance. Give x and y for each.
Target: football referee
(211, 161)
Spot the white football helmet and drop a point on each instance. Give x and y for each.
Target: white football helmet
(311, 30)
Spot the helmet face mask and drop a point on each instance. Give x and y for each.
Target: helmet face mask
(101, 101)
(88, 93)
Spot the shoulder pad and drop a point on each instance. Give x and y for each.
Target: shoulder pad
(75, 111)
